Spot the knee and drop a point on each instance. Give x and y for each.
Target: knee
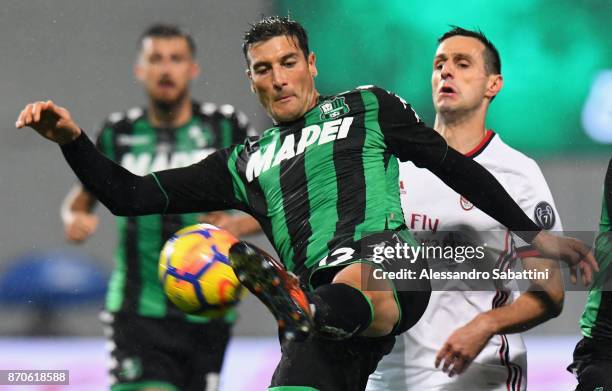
(385, 313)
(379, 293)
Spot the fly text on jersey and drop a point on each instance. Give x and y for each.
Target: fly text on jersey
(262, 160)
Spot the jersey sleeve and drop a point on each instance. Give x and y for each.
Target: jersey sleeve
(405, 134)
(202, 187)
(408, 138)
(533, 195)
(104, 141)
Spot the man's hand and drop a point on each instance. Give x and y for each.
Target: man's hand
(464, 344)
(50, 121)
(80, 227)
(571, 251)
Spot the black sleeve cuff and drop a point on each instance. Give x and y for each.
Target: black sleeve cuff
(81, 141)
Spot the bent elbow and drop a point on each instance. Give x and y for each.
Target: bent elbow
(119, 208)
(558, 306)
(136, 196)
(551, 302)
(555, 304)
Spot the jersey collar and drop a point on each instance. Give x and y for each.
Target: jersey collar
(489, 134)
(309, 116)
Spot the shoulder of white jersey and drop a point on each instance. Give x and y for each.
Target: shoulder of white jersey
(506, 155)
(528, 184)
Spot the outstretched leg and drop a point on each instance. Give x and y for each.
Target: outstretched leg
(278, 289)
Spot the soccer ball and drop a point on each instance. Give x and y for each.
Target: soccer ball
(195, 271)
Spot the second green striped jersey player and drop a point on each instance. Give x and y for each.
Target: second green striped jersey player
(131, 140)
(153, 345)
(593, 355)
(135, 300)
(596, 321)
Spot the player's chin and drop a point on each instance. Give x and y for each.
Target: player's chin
(166, 97)
(285, 115)
(444, 106)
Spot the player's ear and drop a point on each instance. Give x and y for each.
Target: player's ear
(138, 71)
(195, 70)
(494, 85)
(312, 66)
(249, 75)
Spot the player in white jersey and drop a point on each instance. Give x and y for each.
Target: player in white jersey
(468, 338)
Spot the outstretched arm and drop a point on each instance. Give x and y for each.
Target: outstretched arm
(407, 137)
(198, 188)
(470, 179)
(122, 192)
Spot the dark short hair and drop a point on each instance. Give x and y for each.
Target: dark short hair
(275, 26)
(162, 30)
(491, 55)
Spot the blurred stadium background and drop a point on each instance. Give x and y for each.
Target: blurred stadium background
(556, 105)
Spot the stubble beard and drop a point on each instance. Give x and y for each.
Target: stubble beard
(167, 107)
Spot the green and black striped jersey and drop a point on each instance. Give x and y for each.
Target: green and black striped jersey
(319, 183)
(130, 140)
(596, 321)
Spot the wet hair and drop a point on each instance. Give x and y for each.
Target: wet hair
(491, 55)
(275, 26)
(161, 30)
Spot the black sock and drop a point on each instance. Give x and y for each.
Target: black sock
(341, 311)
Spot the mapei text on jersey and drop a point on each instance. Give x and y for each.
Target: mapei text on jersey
(260, 161)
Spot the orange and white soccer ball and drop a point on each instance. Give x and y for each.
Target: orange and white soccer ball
(196, 273)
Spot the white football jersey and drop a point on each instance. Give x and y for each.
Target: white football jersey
(431, 210)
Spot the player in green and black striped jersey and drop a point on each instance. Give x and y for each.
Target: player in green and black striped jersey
(322, 183)
(131, 140)
(172, 131)
(593, 355)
